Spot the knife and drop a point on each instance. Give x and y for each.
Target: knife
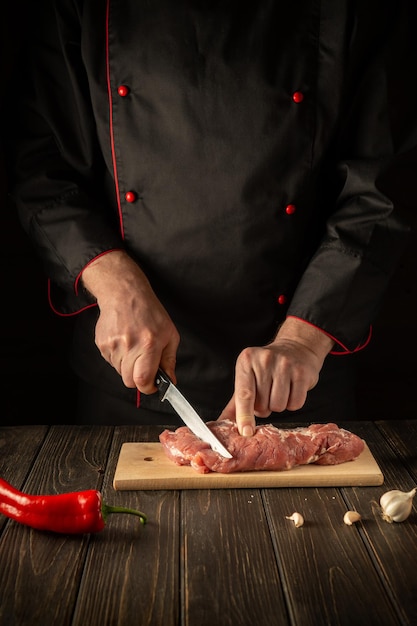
(168, 391)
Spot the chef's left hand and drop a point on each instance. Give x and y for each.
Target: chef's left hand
(277, 376)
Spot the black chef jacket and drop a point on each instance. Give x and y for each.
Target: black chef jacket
(235, 150)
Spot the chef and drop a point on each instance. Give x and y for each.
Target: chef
(202, 181)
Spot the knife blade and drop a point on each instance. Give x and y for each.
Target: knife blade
(168, 391)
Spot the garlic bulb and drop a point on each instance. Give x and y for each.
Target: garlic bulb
(297, 518)
(396, 505)
(350, 517)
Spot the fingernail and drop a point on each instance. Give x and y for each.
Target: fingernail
(247, 431)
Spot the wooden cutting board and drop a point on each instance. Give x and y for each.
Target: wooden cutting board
(146, 466)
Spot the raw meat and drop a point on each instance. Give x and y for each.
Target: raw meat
(270, 448)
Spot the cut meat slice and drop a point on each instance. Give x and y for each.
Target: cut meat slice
(270, 448)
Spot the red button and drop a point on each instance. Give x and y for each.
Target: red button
(130, 196)
(282, 299)
(298, 96)
(290, 209)
(123, 90)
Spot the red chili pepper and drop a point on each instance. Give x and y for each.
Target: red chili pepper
(75, 512)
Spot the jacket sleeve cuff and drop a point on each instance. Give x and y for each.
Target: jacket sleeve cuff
(339, 348)
(78, 286)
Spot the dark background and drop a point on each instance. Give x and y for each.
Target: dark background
(37, 385)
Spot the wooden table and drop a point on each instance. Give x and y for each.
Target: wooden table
(206, 557)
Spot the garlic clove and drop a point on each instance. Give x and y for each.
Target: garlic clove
(396, 505)
(297, 518)
(350, 517)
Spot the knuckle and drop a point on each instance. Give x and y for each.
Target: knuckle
(128, 382)
(126, 374)
(278, 406)
(245, 358)
(294, 406)
(141, 381)
(244, 395)
(148, 342)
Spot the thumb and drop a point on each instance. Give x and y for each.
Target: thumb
(168, 362)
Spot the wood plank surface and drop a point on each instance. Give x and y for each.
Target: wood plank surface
(131, 571)
(392, 547)
(325, 567)
(40, 572)
(18, 446)
(144, 465)
(207, 556)
(230, 574)
(402, 436)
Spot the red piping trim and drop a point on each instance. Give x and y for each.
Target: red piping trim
(111, 128)
(60, 313)
(77, 280)
(345, 349)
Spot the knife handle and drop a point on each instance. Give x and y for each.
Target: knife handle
(162, 381)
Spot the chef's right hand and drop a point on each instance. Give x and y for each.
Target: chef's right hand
(134, 333)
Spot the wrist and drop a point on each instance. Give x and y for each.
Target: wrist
(306, 334)
(110, 274)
